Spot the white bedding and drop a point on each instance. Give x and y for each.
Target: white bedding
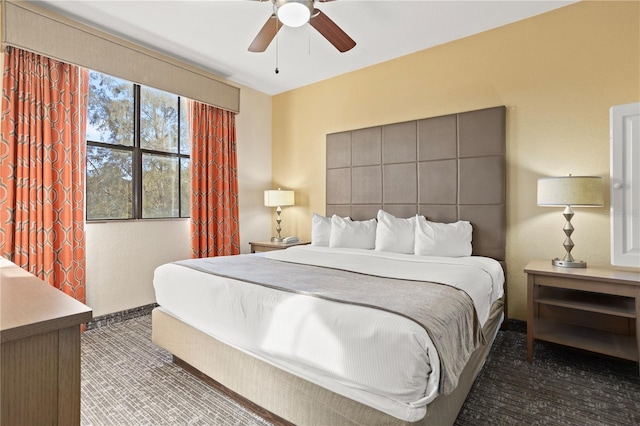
(392, 363)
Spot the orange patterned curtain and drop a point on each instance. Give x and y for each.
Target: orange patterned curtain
(42, 154)
(215, 228)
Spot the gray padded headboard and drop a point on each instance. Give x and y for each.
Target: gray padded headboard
(446, 168)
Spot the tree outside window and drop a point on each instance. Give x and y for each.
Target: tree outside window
(138, 164)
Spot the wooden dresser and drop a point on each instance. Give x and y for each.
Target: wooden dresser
(595, 308)
(40, 346)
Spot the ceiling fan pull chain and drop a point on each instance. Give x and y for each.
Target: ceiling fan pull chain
(277, 70)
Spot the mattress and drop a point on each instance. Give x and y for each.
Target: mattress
(374, 357)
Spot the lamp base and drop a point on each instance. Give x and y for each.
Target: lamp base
(569, 263)
(276, 240)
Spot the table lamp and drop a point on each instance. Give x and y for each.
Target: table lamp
(278, 198)
(568, 191)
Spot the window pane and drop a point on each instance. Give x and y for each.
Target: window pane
(110, 111)
(128, 123)
(185, 129)
(185, 187)
(158, 120)
(109, 183)
(159, 186)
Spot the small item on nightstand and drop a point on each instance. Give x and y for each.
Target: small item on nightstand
(290, 240)
(568, 191)
(278, 199)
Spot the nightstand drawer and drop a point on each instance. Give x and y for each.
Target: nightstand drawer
(585, 285)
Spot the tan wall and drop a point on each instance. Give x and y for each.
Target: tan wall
(558, 74)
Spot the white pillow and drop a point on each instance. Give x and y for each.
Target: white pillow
(352, 234)
(443, 239)
(395, 235)
(320, 230)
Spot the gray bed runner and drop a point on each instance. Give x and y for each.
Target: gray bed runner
(445, 312)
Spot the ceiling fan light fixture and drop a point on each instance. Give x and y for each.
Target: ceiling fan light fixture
(294, 13)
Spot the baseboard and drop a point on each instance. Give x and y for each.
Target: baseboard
(116, 317)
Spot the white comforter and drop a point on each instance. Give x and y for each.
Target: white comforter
(392, 363)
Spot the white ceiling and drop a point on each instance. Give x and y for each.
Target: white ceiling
(215, 35)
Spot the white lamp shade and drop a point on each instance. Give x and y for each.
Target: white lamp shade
(278, 197)
(294, 13)
(581, 191)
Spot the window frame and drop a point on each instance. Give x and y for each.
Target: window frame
(137, 154)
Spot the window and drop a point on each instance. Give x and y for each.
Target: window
(137, 152)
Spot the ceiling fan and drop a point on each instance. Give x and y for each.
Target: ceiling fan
(295, 13)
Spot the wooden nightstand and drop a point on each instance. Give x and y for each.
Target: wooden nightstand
(594, 308)
(269, 245)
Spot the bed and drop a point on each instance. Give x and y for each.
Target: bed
(300, 333)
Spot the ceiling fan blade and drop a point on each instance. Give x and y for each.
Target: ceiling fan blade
(331, 31)
(266, 34)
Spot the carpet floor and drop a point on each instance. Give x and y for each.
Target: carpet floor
(127, 380)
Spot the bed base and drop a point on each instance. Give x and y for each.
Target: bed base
(285, 396)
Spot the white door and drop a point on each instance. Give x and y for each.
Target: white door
(625, 185)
